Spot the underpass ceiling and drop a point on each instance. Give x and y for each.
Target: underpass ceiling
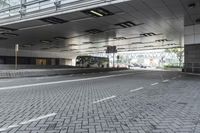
(164, 19)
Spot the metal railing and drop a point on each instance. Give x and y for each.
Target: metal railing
(44, 7)
(192, 67)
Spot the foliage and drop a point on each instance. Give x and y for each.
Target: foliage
(179, 53)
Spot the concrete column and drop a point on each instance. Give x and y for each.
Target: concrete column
(192, 48)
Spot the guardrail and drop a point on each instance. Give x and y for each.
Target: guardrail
(44, 7)
(192, 67)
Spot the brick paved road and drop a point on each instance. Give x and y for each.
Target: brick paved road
(132, 102)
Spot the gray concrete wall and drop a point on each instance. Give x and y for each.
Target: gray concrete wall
(192, 58)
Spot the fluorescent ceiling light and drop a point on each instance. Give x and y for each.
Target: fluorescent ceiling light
(98, 14)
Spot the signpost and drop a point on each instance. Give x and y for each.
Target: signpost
(16, 53)
(112, 49)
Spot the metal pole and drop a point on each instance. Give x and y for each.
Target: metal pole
(113, 59)
(16, 53)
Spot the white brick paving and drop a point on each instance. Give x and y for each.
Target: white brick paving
(170, 107)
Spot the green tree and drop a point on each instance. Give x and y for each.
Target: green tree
(4, 3)
(179, 54)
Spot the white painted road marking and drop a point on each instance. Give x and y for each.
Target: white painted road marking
(7, 128)
(165, 81)
(104, 99)
(154, 84)
(27, 122)
(137, 89)
(37, 119)
(63, 81)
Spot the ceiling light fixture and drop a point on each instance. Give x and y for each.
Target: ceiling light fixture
(9, 34)
(45, 41)
(60, 38)
(94, 31)
(147, 34)
(120, 38)
(161, 40)
(53, 20)
(98, 12)
(126, 24)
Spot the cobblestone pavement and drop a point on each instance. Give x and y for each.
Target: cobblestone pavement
(133, 102)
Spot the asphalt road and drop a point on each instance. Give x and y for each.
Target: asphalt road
(109, 102)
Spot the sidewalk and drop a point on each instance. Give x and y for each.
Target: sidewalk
(50, 72)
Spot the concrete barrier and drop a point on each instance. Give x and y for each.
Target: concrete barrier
(52, 72)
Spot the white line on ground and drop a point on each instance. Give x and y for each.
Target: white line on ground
(137, 89)
(37, 119)
(104, 99)
(165, 81)
(154, 84)
(174, 78)
(27, 122)
(7, 128)
(63, 81)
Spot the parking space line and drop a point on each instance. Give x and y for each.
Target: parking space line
(37, 119)
(104, 99)
(63, 81)
(174, 78)
(154, 84)
(164, 81)
(7, 128)
(140, 88)
(27, 122)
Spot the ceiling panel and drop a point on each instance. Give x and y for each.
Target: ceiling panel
(164, 17)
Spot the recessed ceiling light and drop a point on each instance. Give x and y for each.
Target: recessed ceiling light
(94, 31)
(126, 24)
(45, 41)
(53, 20)
(92, 47)
(121, 48)
(161, 40)
(120, 38)
(9, 34)
(136, 43)
(88, 42)
(147, 34)
(60, 38)
(98, 12)
(72, 44)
